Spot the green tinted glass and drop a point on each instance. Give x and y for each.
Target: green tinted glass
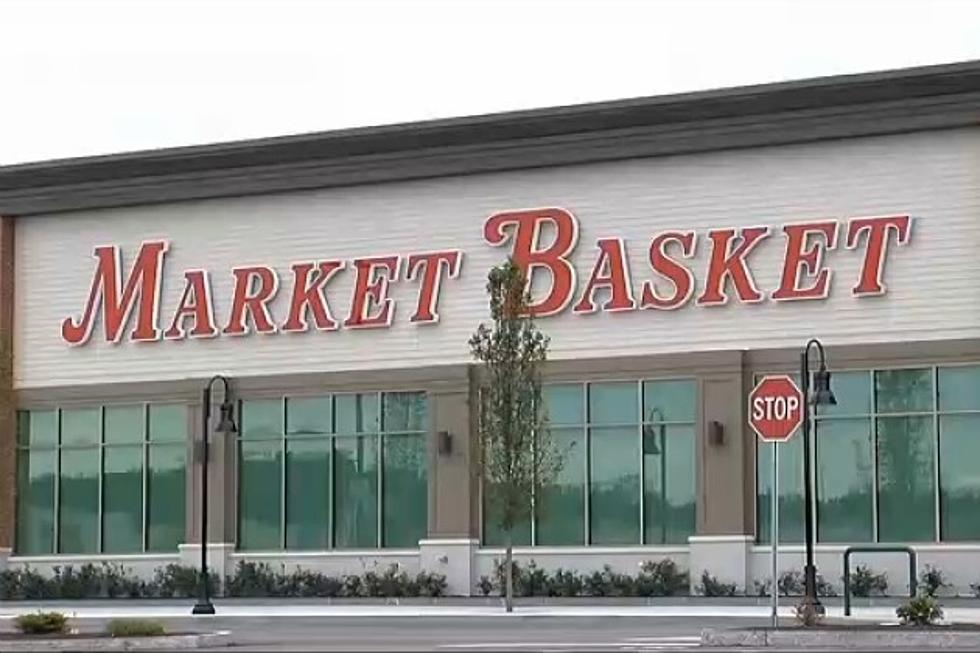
(669, 484)
(670, 401)
(260, 493)
(168, 423)
(356, 413)
(123, 424)
(35, 501)
(405, 411)
(78, 519)
(903, 391)
(356, 491)
(166, 496)
(959, 478)
(122, 502)
(852, 390)
(493, 532)
(309, 416)
(959, 388)
(613, 403)
(261, 419)
(308, 493)
(906, 489)
(565, 404)
(80, 426)
(845, 480)
(614, 513)
(790, 490)
(37, 428)
(406, 490)
(560, 508)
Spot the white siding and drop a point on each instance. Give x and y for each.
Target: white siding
(932, 282)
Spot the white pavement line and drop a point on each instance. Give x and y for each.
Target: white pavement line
(563, 645)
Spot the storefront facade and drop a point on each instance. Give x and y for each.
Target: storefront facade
(679, 247)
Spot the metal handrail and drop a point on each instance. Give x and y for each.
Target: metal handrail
(876, 549)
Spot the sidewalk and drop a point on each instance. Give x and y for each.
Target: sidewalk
(284, 608)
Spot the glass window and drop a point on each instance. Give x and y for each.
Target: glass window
(260, 494)
(122, 491)
(906, 488)
(903, 391)
(845, 479)
(333, 465)
(356, 491)
(959, 477)
(613, 403)
(560, 509)
(669, 483)
(35, 501)
(614, 515)
(669, 401)
(166, 496)
(110, 471)
(78, 520)
(166, 500)
(124, 424)
(80, 427)
(406, 486)
(357, 413)
(790, 490)
(959, 388)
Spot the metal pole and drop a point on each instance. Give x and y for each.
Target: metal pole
(204, 605)
(809, 571)
(775, 535)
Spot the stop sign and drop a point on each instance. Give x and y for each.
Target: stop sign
(775, 408)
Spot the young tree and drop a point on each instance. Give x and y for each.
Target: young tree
(517, 453)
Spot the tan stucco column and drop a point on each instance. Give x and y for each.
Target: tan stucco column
(222, 494)
(453, 484)
(725, 485)
(8, 415)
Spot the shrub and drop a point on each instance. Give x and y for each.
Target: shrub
(662, 578)
(919, 611)
(42, 623)
(931, 581)
(179, 582)
(485, 585)
(252, 579)
(711, 586)
(975, 588)
(135, 628)
(791, 583)
(430, 584)
(865, 582)
(565, 583)
(609, 583)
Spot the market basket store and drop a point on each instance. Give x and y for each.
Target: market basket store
(679, 246)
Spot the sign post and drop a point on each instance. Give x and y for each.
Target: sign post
(775, 412)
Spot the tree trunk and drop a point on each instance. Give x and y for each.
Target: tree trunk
(509, 575)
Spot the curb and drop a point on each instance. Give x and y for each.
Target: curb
(843, 638)
(162, 643)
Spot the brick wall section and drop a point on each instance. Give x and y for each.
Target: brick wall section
(8, 434)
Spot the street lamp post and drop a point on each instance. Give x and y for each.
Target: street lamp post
(226, 425)
(822, 395)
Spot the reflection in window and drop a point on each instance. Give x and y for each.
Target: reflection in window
(628, 473)
(354, 467)
(132, 457)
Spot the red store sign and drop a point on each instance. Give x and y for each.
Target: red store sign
(727, 276)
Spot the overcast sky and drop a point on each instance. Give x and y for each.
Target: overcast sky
(87, 77)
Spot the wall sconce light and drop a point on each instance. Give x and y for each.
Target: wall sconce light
(445, 442)
(716, 433)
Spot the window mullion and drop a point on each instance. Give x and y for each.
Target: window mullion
(937, 530)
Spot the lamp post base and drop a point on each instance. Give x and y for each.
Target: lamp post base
(810, 598)
(205, 607)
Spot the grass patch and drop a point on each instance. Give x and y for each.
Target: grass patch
(42, 623)
(135, 628)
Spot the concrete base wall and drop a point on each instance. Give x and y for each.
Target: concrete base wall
(625, 560)
(142, 566)
(959, 563)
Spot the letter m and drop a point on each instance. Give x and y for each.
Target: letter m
(142, 287)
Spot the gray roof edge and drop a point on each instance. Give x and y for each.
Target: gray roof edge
(931, 97)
